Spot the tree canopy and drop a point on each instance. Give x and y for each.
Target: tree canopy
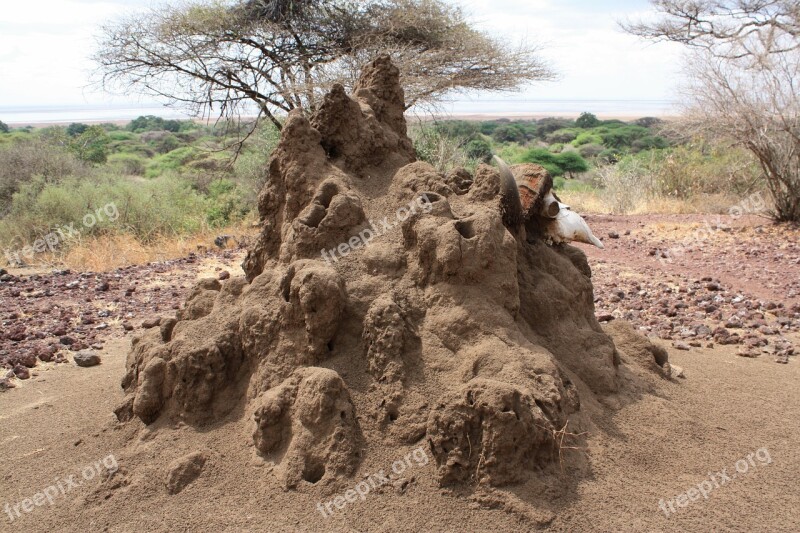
(229, 58)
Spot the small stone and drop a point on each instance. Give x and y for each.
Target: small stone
(151, 323)
(86, 358)
(679, 345)
(748, 352)
(22, 372)
(605, 318)
(613, 235)
(127, 326)
(224, 275)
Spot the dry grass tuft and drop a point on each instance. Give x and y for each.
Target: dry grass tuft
(109, 252)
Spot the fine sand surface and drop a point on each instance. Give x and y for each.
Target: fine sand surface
(655, 448)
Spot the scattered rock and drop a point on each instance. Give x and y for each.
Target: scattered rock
(22, 372)
(86, 358)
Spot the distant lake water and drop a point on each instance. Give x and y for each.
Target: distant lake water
(495, 107)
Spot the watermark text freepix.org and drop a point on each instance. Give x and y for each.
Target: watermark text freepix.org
(416, 457)
(384, 226)
(61, 487)
(52, 240)
(754, 203)
(714, 481)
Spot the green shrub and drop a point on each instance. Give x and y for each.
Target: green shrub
(565, 135)
(153, 123)
(569, 162)
(128, 164)
(122, 136)
(227, 203)
(587, 137)
(77, 128)
(91, 145)
(4, 127)
(587, 120)
(22, 160)
(172, 161)
(509, 133)
(479, 149)
(146, 209)
(546, 126)
(697, 168)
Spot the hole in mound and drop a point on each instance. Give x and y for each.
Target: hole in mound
(431, 197)
(465, 228)
(329, 190)
(331, 150)
(470, 399)
(392, 413)
(330, 346)
(286, 284)
(313, 472)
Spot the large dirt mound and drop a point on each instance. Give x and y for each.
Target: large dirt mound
(383, 302)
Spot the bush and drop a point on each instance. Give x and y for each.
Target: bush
(172, 161)
(587, 137)
(699, 168)
(556, 164)
(76, 128)
(91, 145)
(21, 161)
(153, 123)
(546, 126)
(226, 203)
(590, 151)
(128, 164)
(440, 151)
(626, 186)
(457, 128)
(565, 135)
(146, 209)
(587, 120)
(509, 133)
(4, 127)
(479, 149)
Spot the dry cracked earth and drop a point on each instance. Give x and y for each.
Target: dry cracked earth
(695, 281)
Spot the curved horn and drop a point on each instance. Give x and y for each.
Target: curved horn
(510, 202)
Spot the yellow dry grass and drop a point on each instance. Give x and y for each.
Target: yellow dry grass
(597, 202)
(108, 252)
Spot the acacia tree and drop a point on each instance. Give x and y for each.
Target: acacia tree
(229, 58)
(742, 80)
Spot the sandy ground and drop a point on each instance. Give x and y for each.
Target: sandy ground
(730, 428)
(657, 448)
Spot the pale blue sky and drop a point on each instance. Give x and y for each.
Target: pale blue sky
(44, 49)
